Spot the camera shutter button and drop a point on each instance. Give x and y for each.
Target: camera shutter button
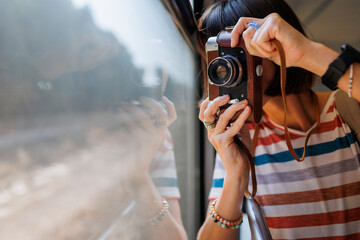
(259, 70)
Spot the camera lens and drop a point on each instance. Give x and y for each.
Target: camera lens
(225, 71)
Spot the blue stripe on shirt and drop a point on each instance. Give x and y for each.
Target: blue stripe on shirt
(165, 182)
(286, 156)
(313, 150)
(218, 182)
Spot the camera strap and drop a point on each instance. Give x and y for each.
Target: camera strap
(250, 161)
(283, 83)
(250, 156)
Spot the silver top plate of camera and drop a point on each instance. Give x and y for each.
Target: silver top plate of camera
(211, 44)
(233, 101)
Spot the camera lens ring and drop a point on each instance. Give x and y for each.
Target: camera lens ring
(233, 74)
(214, 66)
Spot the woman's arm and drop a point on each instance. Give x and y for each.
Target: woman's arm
(317, 59)
(299, 50)
(229, 204)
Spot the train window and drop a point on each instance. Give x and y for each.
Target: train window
(87, 148)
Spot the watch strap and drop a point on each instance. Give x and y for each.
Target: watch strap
(339, 66)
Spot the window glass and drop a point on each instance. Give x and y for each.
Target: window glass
(84, 144)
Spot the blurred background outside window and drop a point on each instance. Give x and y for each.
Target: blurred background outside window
(71, 151)
(66, 68)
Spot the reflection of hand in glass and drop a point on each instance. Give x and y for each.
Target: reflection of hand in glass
(145, 128)
(150, 168)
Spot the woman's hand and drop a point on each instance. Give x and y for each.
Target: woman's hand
(222, 136)
(144, 129)
(258, 42)
(299, 50)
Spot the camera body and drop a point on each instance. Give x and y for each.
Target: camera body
(235, 72)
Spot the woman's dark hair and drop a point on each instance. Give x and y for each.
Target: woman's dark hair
(223, 13)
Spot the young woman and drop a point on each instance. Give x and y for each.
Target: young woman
(318, 198)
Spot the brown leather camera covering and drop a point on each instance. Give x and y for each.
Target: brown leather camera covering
(254, 83)
(213, 90)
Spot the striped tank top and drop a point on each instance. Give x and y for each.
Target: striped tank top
(318, 198)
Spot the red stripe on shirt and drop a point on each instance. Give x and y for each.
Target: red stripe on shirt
(311, 220)
(251, 126)
(318, 195)
(331, 108)
(355, 236)
(275, 138)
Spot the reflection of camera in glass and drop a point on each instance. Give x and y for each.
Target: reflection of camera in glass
(235, 72)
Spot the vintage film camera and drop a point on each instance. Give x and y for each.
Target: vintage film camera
(235, 72)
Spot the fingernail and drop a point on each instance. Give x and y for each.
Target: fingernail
(224, 96)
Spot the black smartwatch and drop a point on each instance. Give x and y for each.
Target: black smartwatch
(339, 66)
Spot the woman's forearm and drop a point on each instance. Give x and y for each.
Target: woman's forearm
(317, 58)
(228, 206)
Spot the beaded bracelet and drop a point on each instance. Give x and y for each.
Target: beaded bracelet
(351, 79)
(160, 215)
(221, 221)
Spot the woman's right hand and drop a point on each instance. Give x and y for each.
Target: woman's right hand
(222, 136)
(144, 130)
(259, 42)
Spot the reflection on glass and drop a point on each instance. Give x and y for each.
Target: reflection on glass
(85, 148)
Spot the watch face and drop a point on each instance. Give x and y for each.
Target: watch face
(350, 54)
